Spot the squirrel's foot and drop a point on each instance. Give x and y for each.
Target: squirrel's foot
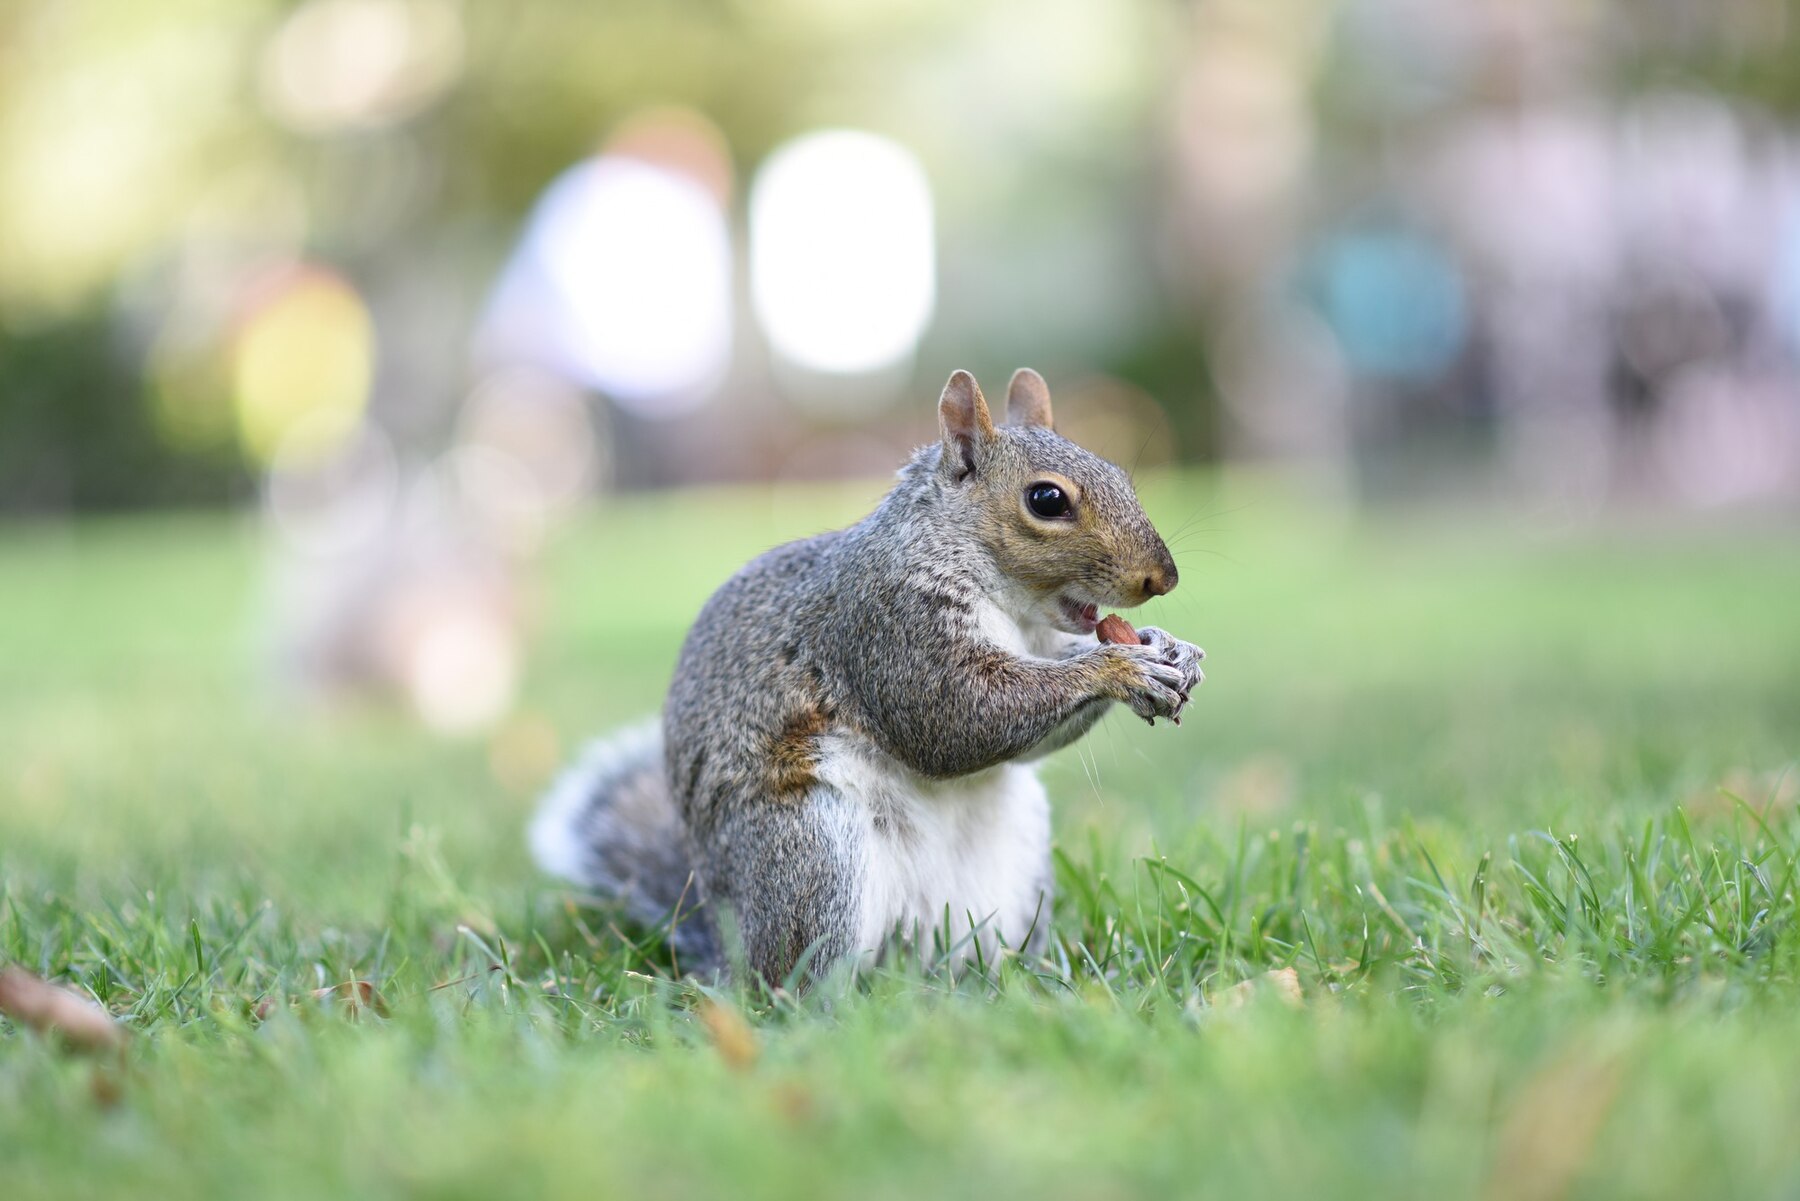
(1183, 655)
(1151, 685)
(1179, 668)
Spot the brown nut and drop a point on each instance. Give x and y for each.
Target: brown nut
(1113, 628)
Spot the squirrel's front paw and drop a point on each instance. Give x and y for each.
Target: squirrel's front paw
(1182, 655)
(1141, 678)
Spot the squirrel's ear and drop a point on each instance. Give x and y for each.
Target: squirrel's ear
(963, 422)
(1028, 399)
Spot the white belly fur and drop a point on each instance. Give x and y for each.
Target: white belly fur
(976, 847)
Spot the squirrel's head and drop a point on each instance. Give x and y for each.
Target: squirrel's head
(1061, 523)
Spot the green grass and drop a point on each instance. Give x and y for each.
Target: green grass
(1511, 804)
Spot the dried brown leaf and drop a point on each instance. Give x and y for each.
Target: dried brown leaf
(50, 1008)
(794, 1102)
(357, 995)
(1282, 984)
(731, 1035)
(1551, 1124)
(105, 1086)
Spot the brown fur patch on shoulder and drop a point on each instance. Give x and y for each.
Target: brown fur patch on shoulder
(793, 757)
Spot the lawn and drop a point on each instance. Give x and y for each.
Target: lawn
(1510, 802)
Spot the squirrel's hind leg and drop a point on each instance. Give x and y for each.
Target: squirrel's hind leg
(790, 874)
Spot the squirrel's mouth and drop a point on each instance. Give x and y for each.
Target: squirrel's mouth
(1078, 617)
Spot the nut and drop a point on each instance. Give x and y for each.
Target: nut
(1113, 628)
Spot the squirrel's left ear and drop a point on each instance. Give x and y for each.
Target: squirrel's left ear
(1028, 399)
(964, 423)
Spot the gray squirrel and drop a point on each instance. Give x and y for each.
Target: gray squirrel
(848, 749)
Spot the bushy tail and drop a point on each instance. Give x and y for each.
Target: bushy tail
(609, 824)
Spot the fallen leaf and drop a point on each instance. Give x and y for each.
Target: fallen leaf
(794, 1103)
(106, 1088)
(357, 996)
(731, 1035)
(1282, 984)
(1550, 1127)
(50, 1008)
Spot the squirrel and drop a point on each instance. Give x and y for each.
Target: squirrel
(847, 752)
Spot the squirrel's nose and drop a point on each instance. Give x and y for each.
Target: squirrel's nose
(1161, 579)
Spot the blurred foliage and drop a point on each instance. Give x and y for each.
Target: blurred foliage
(76, 429)
(139, 139)
(175, 146)
(1743, 49)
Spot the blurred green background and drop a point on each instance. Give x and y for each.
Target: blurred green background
(420, 281)
(1542, 249)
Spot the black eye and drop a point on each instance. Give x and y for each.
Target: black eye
(1047, 501)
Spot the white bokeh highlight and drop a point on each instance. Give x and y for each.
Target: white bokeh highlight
(842, 259)
(622, 283)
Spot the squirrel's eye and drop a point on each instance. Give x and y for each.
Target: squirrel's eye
(1047, 501)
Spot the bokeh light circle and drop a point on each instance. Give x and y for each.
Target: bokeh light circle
(302, 364)
(842, 259)
(624, 284)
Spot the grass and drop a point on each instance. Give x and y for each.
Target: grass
(1512, 806)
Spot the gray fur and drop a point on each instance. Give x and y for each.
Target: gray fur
(608, 824)
(874, 633)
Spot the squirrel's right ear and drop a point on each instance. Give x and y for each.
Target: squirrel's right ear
(1028, 400)
(964, 423)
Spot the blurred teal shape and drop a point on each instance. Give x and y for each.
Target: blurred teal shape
(1394, 300)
